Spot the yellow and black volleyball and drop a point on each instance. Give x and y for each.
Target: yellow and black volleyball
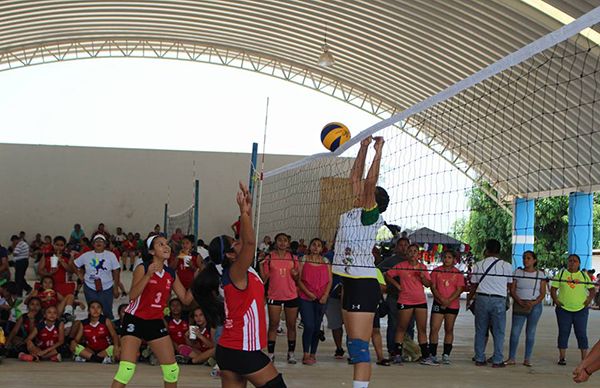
(334, 135)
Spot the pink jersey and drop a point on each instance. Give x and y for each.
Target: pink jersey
(412, 290)
(245, 325)
(281, 284)
(315, 278)
(446, 282)
(153, 299)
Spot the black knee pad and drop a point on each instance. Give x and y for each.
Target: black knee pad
(277, 382)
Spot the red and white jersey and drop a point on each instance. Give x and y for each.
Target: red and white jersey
(177, 329)
(47, 336)
(29, 324)
(96, 335)
(49, 298)
(153, 300)
(245, 325)
(199, 344)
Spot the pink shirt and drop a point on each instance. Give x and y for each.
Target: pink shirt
(413, 291)
(281, 284)
(446, 281)
(315, 278)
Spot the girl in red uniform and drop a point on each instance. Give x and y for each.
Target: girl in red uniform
(63, 266)
(24, 325)
(200, 345)
(50, 297)
(280, 268)
(177, 327)
(45, 339)
(150, 290)
(96, 338)
(244, 334)
(187, 262)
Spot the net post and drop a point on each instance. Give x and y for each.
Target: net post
(253, 160)
(165, 218)
(196, 202)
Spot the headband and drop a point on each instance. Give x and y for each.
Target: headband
(149, 241)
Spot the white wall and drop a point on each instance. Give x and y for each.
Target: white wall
(47, 189)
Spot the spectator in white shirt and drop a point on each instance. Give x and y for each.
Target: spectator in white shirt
(99, 270)
(20, 259)
(490, 307)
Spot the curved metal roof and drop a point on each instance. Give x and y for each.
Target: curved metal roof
(389, 54)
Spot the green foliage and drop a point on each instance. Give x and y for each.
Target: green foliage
(487, 220)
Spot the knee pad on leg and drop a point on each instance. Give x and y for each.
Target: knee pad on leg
(110, 351)
(358, 350)
(170, 372)
(78, 349)
(125, 372)
(277, 382)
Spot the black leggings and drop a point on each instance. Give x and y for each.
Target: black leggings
(20, 269)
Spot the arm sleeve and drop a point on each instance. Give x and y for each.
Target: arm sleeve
(79, 262)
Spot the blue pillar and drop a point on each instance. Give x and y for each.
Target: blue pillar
(522, 230)
(581, 227)
(253, 160)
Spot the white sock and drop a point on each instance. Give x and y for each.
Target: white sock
(69, 309)
(360, 384)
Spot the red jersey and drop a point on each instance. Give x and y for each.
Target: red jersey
(47, 336)
(153, 300)
(117, 253)
(49, 298)
(186, 274)
(47, 250)
(96, 335)
(60, 276)
(29, 324)
(199, 344)
(245, 325)
(177, 329)
(129, 245)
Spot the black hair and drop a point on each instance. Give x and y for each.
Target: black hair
(382, 198)
(98, 303)
(46, 277)
(492, 246)
(282, 234)
(217, 249)
(316, 239)
(190, 237)
(59, 238)
(32, 299)
(294, 246)
(14, 237)
(11, 288)
(450, 251)
(121, 307)
(205, 289)
(146, 255)
(532, 253)
(403, 239)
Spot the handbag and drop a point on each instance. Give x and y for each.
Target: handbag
(472, 305)
(522, 310)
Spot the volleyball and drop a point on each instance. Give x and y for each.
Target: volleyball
(334, 135)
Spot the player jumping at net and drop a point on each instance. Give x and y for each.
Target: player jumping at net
(239, 349)
(143, 320)
(354, 260)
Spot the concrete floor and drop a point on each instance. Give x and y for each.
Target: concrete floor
(329, 372)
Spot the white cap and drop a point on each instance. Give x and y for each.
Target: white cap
(99, 236)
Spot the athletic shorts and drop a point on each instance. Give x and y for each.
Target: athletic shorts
(288, 304)
(241, 362)
(437, 309)
(333, 312)
(145, 329)
(360, 295)
(411, 306)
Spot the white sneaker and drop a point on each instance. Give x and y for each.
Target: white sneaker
(291, 359)
(79, 359)
(107, 360)
(445, 359)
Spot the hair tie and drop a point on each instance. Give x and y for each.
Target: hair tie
(149, 241)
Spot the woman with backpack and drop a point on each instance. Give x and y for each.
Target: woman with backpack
(572, 291)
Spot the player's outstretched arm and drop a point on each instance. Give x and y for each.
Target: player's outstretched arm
(368, 200)
(247, 237)
(358, 169)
